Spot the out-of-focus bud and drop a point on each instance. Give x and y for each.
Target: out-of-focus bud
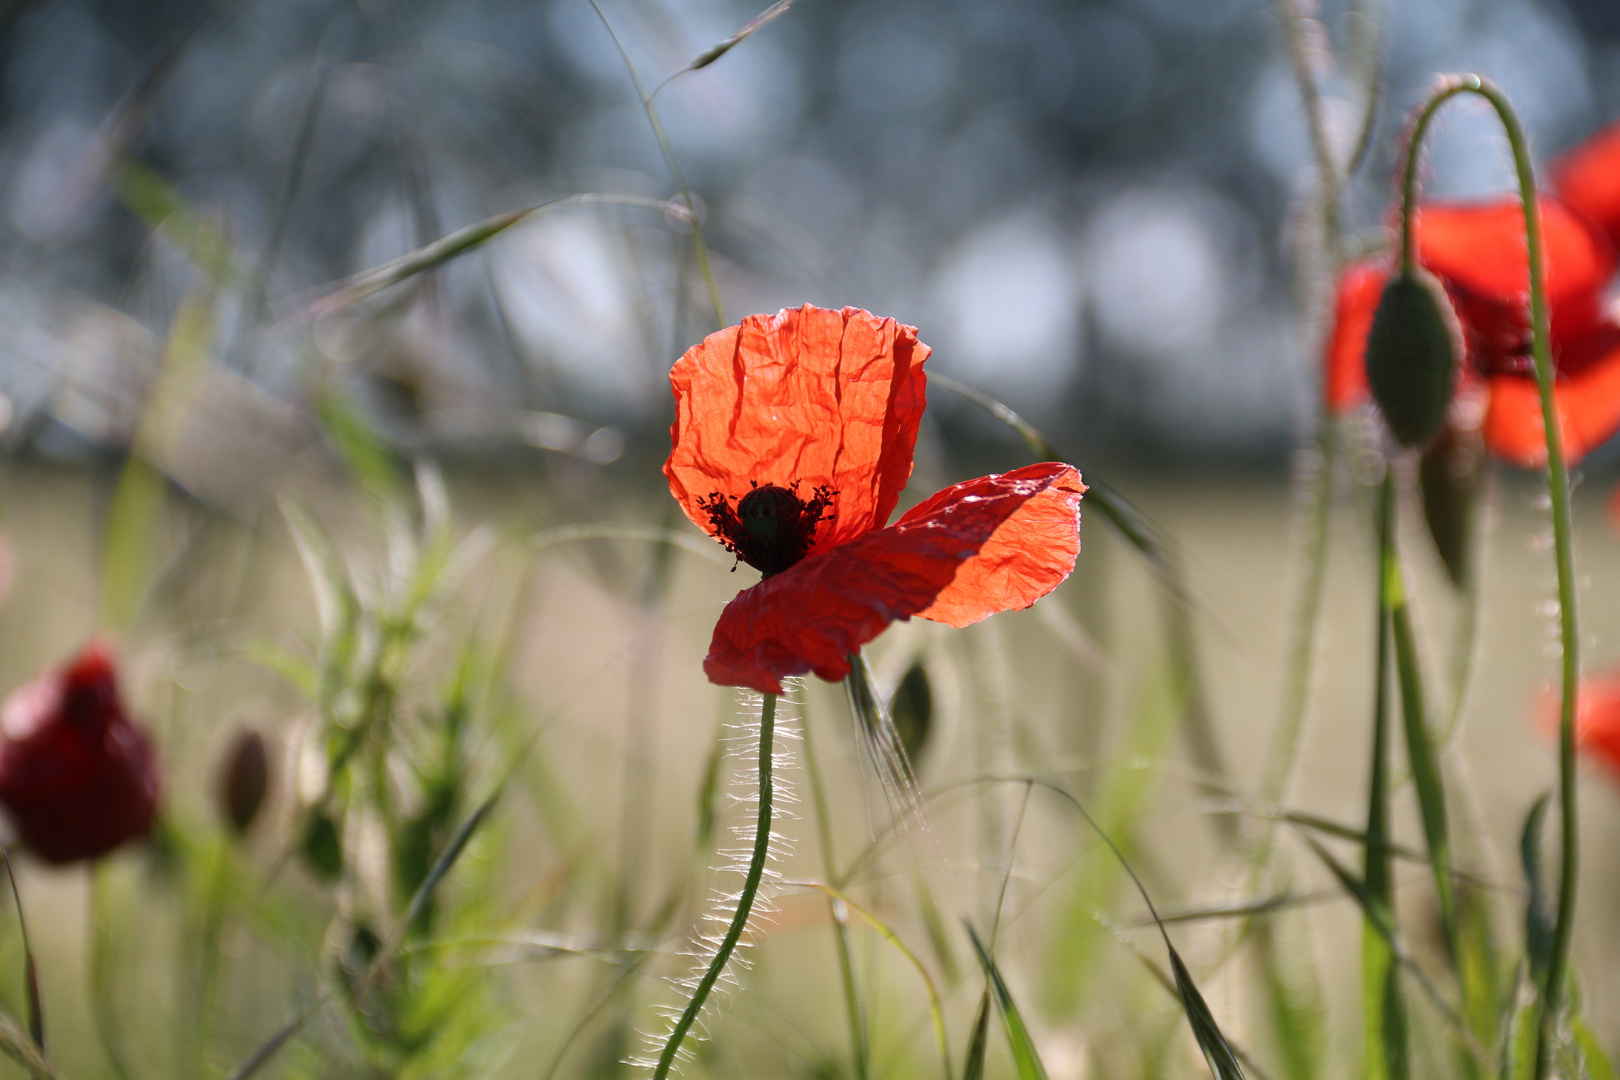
(244, 778)
(1449, 475)
(321, 846)
(1412, 352)
(77, 776)
(912, 709)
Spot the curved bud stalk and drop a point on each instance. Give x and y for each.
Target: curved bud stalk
(1551, 989)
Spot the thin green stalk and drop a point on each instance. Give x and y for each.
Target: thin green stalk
(1293, 19)
(700, 250)
(829, 862)
(1420, 749)
(1302, 634)
(1558, 489)
(745, 900)
(1385, 1014)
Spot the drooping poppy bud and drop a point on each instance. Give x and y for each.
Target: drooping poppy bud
(243, 780)
(1412, 352)
(77, 776)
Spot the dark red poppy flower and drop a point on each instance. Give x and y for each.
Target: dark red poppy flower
(1477, 250)
(77, 777)
(793, 438)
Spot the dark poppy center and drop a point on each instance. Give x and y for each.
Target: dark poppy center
(771, 527)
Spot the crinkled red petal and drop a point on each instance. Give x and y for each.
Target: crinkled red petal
(1344, 374)
(1028, 555)
(1588, 179)
(1478, 250)
(811, 617)
(808, 396)
(1588, 405)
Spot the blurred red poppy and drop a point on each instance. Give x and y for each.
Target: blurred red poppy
(792, 440)
(1478, 252)
(1597, 719)
(77, 777)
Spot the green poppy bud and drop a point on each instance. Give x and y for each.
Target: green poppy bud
(1412, 353)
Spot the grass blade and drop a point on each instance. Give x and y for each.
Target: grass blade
(1420, 749)
(1593, 1058)
(15, 1044)
(361, 449)
(1538, 920)
(716, 51)
(1218, 1054)
(1023, 1047)
(935, 1008)
(370, 282)
(36, 1009)
(979, 1045)
(1383, 1009)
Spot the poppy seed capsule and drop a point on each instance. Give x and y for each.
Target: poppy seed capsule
(244, 780)
(1412, 352)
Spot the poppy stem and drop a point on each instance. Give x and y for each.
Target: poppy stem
(1558, 490)
(745, 899)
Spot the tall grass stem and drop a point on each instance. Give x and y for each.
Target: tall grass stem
(829, 863)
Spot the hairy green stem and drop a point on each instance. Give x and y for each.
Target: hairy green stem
(1558, 490)
(745, 900)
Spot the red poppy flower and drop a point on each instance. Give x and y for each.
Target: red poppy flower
(76, 776)
(1477, 250)
(1597, 718)
(793, 438)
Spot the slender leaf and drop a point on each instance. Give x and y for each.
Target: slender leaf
(1593, 1057)
(36, 1008)
(365, 454)
(979, 1044)
(1023, 1047)
(1219, 1056)
(1420, 749)
(1383, 1009)
(1538, 918)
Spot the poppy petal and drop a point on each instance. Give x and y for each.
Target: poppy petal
(812, 616)
(1028, 555)
(1588, 178)
(1478, 250)
(808, 396)
(1344, 375)
(1597, 718)
(1588, 405)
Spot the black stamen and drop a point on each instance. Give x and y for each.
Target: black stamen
(771, 527)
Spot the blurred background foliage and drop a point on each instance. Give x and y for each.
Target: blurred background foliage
(1097, 212)
(1090, 208)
